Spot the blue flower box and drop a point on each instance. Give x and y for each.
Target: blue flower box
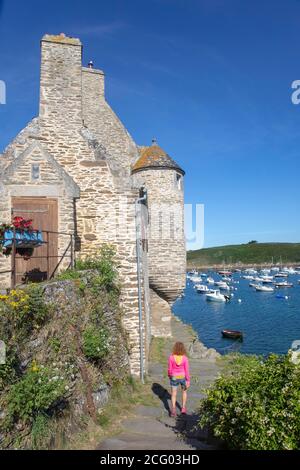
(23, 238)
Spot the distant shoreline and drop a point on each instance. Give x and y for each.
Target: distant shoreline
(231, 267)
(246, 255)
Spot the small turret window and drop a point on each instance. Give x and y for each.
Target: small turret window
(179, 181)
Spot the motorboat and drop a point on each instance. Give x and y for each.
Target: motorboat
(232, 334)
(249, 278)
(267, 279)
(224, 286)
(225, 273)
(202, 289)
(253, 284)
(195, 278)
(281, 275)
(210, 280)
(216, 296)
(250, 271)
(284, 284)
(260, 288)
(226, 279)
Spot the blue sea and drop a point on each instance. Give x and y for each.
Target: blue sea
(269, 324)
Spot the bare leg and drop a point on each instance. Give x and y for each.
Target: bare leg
(173, 396)
(184, 398)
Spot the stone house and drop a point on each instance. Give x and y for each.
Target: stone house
(76, 171)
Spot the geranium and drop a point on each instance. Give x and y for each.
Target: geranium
(22, 224)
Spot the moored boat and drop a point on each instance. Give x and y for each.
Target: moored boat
(260, 288)
(284, 284)
(202, 289)
(232, 334)
(216, 296)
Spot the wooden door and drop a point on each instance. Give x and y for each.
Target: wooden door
(44, 213)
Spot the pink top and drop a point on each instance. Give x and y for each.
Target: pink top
(181, 370)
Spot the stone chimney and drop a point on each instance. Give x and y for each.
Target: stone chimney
(61, 83)
(92, 94)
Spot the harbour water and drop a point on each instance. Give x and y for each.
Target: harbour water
(269, 324)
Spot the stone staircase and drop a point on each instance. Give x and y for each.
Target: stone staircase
(150, 427)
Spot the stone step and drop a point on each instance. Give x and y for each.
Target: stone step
(127, 441)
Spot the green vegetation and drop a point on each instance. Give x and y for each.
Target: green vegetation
(250, 253)
(95, 343)
(37, 390)
(256, 404)
(103, 262)
(64, 342)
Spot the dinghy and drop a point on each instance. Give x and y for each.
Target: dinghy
(232, 334)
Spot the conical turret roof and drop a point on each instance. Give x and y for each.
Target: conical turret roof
(154, 157)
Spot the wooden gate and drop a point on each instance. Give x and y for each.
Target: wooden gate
(44, 213)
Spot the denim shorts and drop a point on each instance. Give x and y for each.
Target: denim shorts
(176, 382)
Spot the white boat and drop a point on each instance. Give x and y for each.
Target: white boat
(210, 280)
(216, 296)
(267, 279)
(202, 289)
(258, 279)
(281, 275)
(195, 279)
(260, 288)
(220, 283)
(250, 271)
(253, 284)
(226, 279)
(224, 286)
(283, 284)
(203, 275)
(275, 269)
(249, 278)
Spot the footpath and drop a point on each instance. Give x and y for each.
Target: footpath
(150, 427)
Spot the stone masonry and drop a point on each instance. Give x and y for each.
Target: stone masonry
(90, 164)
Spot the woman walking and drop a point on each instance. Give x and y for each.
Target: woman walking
(178, 372)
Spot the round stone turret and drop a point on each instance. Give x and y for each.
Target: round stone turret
(163, 179)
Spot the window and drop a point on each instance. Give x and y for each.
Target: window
(35, 172)
(179, 181)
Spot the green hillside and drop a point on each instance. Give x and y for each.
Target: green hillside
(256, 253)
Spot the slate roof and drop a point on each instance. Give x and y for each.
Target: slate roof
(154, 157)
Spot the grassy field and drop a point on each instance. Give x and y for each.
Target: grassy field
(256, 253)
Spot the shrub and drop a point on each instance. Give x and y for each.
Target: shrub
(37, 307)
(95, 343)
(257, 406)
(38, 390)
(103, 262)
(21, 312)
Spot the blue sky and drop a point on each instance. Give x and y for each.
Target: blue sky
(210, 79)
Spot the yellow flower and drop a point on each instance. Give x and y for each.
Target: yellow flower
(34, 366)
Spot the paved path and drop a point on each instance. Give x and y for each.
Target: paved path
(150, 427)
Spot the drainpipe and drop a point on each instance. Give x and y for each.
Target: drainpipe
(138, 262)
